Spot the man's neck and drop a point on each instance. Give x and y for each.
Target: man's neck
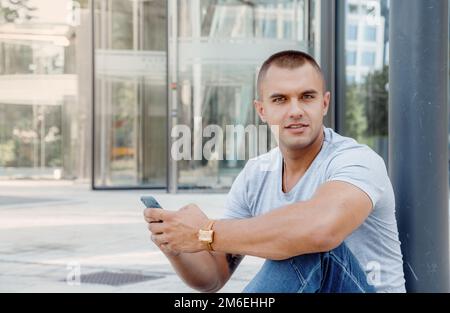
(298, 161)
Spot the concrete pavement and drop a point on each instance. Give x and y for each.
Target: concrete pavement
(51, 229)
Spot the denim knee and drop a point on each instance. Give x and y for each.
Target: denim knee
(335, 271)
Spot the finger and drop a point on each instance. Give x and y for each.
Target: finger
(157, 214)
(164, 248)
(147, 214)
(150, 220)
(159, 239)
(156, 228)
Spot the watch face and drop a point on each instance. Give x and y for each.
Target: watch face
(205, 235)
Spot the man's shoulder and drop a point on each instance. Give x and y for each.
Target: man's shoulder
(361, 166)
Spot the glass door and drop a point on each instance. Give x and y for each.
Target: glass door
(220, 45)
(130, 127)
(38, 84)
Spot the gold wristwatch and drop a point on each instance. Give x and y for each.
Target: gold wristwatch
(207, 235)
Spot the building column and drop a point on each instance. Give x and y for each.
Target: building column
(418, 139)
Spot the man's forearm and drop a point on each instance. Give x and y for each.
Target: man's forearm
(280, 234)
(316, 225)
(198, 270)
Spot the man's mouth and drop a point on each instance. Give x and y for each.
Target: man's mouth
(297, 126)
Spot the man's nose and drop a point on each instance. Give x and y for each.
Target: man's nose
(296, 109)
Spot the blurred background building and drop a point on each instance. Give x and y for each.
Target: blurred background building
(90, 89)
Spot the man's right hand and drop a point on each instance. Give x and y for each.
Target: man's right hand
(204, 271)
(154, 228)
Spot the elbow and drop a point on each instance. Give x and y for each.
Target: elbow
(327, 243)
(202, 285)
(212, 290)
(321, 238)
(205, 289)
(313, 243)
(325, 239)
(208, 288)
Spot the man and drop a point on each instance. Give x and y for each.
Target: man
(323, 217)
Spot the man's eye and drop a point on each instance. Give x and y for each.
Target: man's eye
(278, 100)
(308, 97)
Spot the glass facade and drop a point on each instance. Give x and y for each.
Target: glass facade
(220, 45)
(85, 91)
(366, 90)
(130, 126)
(129, 61)
(217, 47)
(39, 90)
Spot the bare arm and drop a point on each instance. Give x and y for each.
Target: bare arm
(317, 225)
(205, 271)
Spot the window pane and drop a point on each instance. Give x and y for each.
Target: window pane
(40, 111)
(370, 33)
(366, 105)
(351, 58)
(351, 79)
(220, 50)
(368, 59)
(131, 93)
(352, 32)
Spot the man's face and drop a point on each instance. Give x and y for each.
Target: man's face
(293, 99)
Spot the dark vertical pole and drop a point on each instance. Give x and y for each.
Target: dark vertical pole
(418, 138)
(340, 67)
(332, 59)
(327, 54)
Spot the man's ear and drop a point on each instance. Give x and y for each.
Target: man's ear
(260, 110)
(326, 102)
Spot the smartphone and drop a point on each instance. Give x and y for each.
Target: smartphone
(150, 202)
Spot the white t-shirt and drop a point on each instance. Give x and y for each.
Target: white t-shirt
(257, 190)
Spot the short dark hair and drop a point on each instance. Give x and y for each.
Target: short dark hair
(289, 59)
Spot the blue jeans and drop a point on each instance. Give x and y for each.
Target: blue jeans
(335, 271)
